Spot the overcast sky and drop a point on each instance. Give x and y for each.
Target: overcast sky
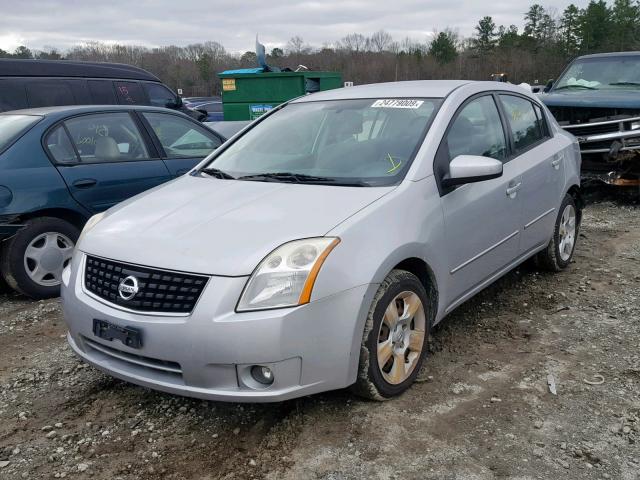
(234, 23)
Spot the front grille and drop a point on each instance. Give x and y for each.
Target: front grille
(587, 130)
(159, 291)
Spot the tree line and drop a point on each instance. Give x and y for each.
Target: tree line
(547, 42)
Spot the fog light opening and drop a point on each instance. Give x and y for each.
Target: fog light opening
(262, 374)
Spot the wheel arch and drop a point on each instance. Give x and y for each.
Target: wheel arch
(422, 270)
(73, 217)
(576, 192)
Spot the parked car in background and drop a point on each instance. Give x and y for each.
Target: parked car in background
(211, 105)
(316, 249)
(597, 99)
(61, 165)
(48, 83)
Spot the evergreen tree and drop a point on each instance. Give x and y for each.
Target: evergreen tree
(625, 16)
(595, 26)
(485, 39)
(570, 30)
(443, 47)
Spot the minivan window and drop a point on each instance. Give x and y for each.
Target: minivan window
(159, 95)
(12, 126)
(102, 92)
(12, 96)
(523, 121)
(366, 141)
(107, 137)
(60, 147)
(477, 130)
(42, 93)
(130, 93)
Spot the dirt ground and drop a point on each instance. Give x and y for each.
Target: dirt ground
(482, 408)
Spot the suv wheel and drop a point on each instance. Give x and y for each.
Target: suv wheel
(559, 252)
(395, 337)
(32, 261)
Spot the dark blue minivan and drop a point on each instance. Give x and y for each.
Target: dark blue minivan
(61, 165)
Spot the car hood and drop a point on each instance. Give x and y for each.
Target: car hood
(619, 98)
(220, 227)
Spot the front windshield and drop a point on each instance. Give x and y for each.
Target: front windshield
(368, 141)
(12, 126)
(601, 73)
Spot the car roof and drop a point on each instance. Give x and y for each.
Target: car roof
(405, 89)
(73, 109)
(610, 54)
(65, 68)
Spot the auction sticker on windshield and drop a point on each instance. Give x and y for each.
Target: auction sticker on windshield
(404, 103)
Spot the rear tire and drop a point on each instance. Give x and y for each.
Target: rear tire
(559, 253)
(32, 261)
(395, 338)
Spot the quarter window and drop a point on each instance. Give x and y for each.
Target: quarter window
(102, 92)
(477, 130)
(107, 137)
(60, 146)
(180, 137)
(524, 124)
(49, 94)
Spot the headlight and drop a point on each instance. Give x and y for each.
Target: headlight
(286, 276)
(92, 222)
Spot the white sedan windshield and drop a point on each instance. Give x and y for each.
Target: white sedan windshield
(371, 141)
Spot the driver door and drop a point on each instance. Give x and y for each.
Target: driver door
(104, 159)
(481, 219)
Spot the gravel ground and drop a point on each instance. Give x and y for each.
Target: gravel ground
(481, 410)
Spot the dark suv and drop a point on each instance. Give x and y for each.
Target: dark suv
(597, 98)
(49, 83)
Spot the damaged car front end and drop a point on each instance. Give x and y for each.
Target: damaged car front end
(597, 99)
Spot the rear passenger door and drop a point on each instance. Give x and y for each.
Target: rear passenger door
(182, 142)
(104, 158)
(540, 157)
(481, 219)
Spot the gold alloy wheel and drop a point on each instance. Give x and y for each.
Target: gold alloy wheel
(567, 232)
(401, 337)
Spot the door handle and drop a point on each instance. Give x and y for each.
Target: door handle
(511, 191)
(85, 183)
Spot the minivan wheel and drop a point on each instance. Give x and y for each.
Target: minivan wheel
(32, 261)
(394, 343)
(559, 252)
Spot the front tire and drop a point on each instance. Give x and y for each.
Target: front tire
(559, 252)
(394, 342)
(32, 261)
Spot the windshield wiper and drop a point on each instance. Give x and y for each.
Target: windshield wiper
(626, 83)
(575, 86)
(301, 178)
(217, 173)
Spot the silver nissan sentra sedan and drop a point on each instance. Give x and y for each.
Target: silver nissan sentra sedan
(317, 248)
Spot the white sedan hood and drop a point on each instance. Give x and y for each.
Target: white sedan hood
(220, 227)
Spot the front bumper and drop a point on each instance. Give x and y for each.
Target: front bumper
(209, 354)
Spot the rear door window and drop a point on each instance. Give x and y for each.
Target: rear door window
(46, 93)
(60, 146)
(524, 124)
(107, 137)
(159, 95)
(130, 93)
(102, 92)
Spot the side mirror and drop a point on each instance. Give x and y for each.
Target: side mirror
(471, 168)
(548, 86)
(175, 104)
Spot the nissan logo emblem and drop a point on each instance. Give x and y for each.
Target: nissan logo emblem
(128, 288)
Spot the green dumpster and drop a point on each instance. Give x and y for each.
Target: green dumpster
(249, 93)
